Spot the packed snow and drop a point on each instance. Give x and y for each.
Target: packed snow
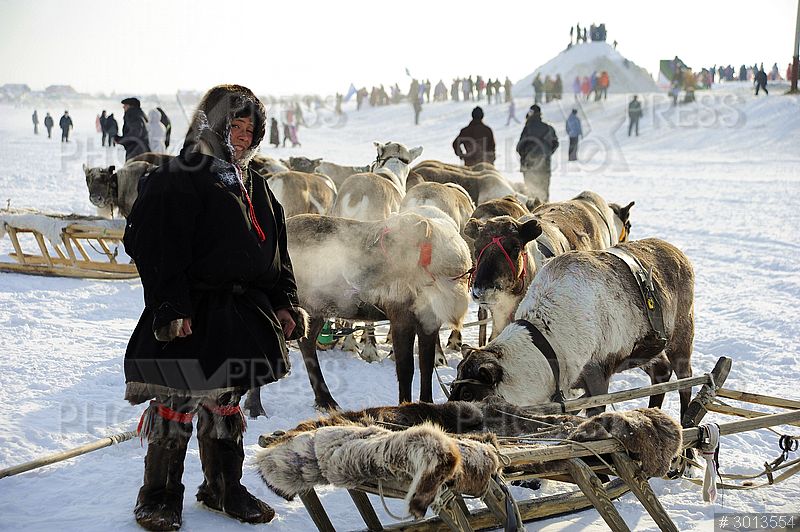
(719, 178)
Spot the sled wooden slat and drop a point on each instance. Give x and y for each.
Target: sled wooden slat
(43, 249)
(631, 473)
(590, 484)
(530, 510)
(12, 234)
(316, 511)
(759, 399)
(366, 510)
(740, 412)
(575, 405)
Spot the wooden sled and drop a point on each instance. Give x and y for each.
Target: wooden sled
(64, 245)
(580, 464)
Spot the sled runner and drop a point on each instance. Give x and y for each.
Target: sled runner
(65, 245)
(601, 470)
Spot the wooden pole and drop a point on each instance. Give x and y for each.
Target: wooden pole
(758, 399)
(60, 457)
(796, 55)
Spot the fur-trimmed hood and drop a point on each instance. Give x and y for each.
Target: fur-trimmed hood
(210, 128)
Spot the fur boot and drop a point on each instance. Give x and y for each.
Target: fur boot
(222, 457)
(159, 505)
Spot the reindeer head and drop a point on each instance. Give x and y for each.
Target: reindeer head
(102, 185)
(477, 377)
(395, 150)
(500, 256)
(302, 164)
(622, 222)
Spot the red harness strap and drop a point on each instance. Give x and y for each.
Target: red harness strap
(498, 241)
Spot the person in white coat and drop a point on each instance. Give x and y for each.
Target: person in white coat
(156, 132)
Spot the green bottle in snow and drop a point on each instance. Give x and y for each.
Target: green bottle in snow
(326, 335)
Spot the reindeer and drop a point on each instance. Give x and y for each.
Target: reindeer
(407, 269)
(587, 309)
(373, 196)
(303, 193)
(507, 257)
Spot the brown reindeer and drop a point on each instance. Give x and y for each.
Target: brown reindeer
(303, 193)
(506, 261)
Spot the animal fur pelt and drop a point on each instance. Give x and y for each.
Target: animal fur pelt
(357, 447)
(349, 455)
(649, 433)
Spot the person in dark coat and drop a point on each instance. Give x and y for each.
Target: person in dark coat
(209, 241)
(66, 125)
(167, 125)
(111, 129)
(48, 124)
(761, 80)
(634, 113)
(537, 143)
(274, 138)
(35, 119)
(134, 129)
(574, 132)
(102, 122)
(475, 143)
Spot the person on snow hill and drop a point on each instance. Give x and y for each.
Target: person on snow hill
(66, 125)
(574, 132)
(111, 128)
(35, 119)
(134, 129)
(475, 143)
(634, 113)
(48, 124)
(537, 143)
(220, 302)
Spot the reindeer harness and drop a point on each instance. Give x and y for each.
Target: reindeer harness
(644, 280)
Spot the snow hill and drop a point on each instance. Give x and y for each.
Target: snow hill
(583, 59)
(719, 179)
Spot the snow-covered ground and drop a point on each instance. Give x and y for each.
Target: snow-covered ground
(720, 179)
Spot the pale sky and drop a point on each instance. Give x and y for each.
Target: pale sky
(300, 46)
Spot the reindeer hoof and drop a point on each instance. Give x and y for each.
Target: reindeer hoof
(440, 360)
(327, 405)
(453, 345)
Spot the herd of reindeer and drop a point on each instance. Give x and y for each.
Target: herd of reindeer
(413, 244)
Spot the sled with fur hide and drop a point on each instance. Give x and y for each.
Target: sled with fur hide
(64, 245)
(458, 450)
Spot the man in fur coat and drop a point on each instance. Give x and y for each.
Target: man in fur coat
(209, 241)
